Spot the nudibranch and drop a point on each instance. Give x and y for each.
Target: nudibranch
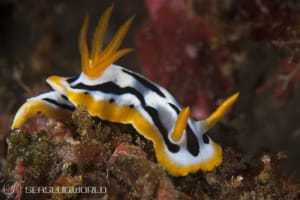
(116, 94)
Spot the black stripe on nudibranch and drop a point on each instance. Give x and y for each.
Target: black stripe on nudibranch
(175, 108)
(64, 97)
(112, 88)
(145, 82)
(192, 141)
(72, 79)
(154, 115)
(63, 106)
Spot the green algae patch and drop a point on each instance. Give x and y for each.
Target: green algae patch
(31, 148)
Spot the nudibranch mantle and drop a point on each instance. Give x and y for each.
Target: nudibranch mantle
(116, 94)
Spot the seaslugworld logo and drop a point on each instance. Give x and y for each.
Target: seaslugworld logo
(11, 189)
(65, 189)
(14, 190)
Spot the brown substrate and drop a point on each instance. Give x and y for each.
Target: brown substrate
(117, 163)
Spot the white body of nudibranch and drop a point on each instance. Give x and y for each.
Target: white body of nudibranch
(116, 94)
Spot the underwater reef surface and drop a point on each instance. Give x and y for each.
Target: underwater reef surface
(114, 158)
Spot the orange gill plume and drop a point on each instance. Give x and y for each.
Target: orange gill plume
(94, 63)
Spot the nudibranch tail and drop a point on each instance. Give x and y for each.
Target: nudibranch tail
(52, 104)
(94, 65)
(219, 113)
(180, 124)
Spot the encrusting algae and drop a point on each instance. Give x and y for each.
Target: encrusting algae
(101, 153)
